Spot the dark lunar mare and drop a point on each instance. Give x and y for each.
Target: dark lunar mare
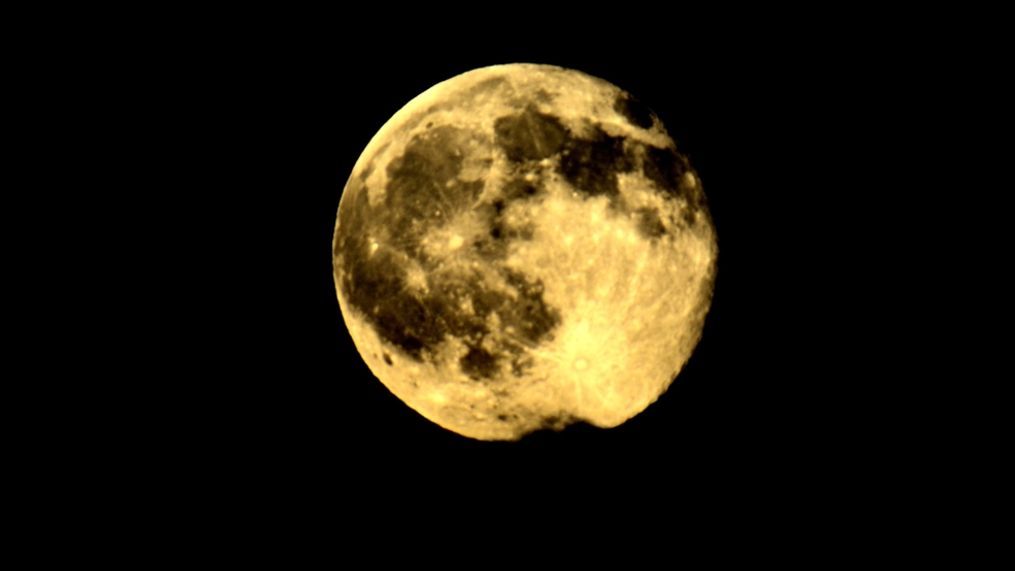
(666, 168)
(592, 164)
(636, 112)
(530, 135)
(424, 192)
(423, 189)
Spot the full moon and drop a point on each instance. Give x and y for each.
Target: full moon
(522, 247)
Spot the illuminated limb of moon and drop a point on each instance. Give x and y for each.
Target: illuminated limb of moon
(521, 247)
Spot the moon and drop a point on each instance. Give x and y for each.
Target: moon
(522, 247)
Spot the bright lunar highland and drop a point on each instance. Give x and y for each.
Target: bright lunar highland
(522, 247)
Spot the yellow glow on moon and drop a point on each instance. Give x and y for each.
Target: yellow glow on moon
(522, 247)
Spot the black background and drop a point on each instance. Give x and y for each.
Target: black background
(231, 404)
(274, 393)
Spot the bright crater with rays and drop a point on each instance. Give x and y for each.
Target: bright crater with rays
(522, 247)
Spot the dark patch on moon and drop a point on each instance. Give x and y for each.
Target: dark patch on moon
(485, 300)
(591, 164)
(649, 223)
(530, 135)
(664, 167)
(367, 171)
(455, 304)
(556, 423)
(448, 298)
(370, 165)
(520, 189)
(529, 314)
(486, 86)
(417, 324)
(520, 363)
(375, 283)
(636, 112)
(423, 193)
(493, 246)
(691, 210)
(478, 363)
(501, 231)
(467, 191)
(490, 248)
(408, 322)
(423, 183)
(523, 310)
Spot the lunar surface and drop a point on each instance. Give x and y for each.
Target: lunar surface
(522, 247)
